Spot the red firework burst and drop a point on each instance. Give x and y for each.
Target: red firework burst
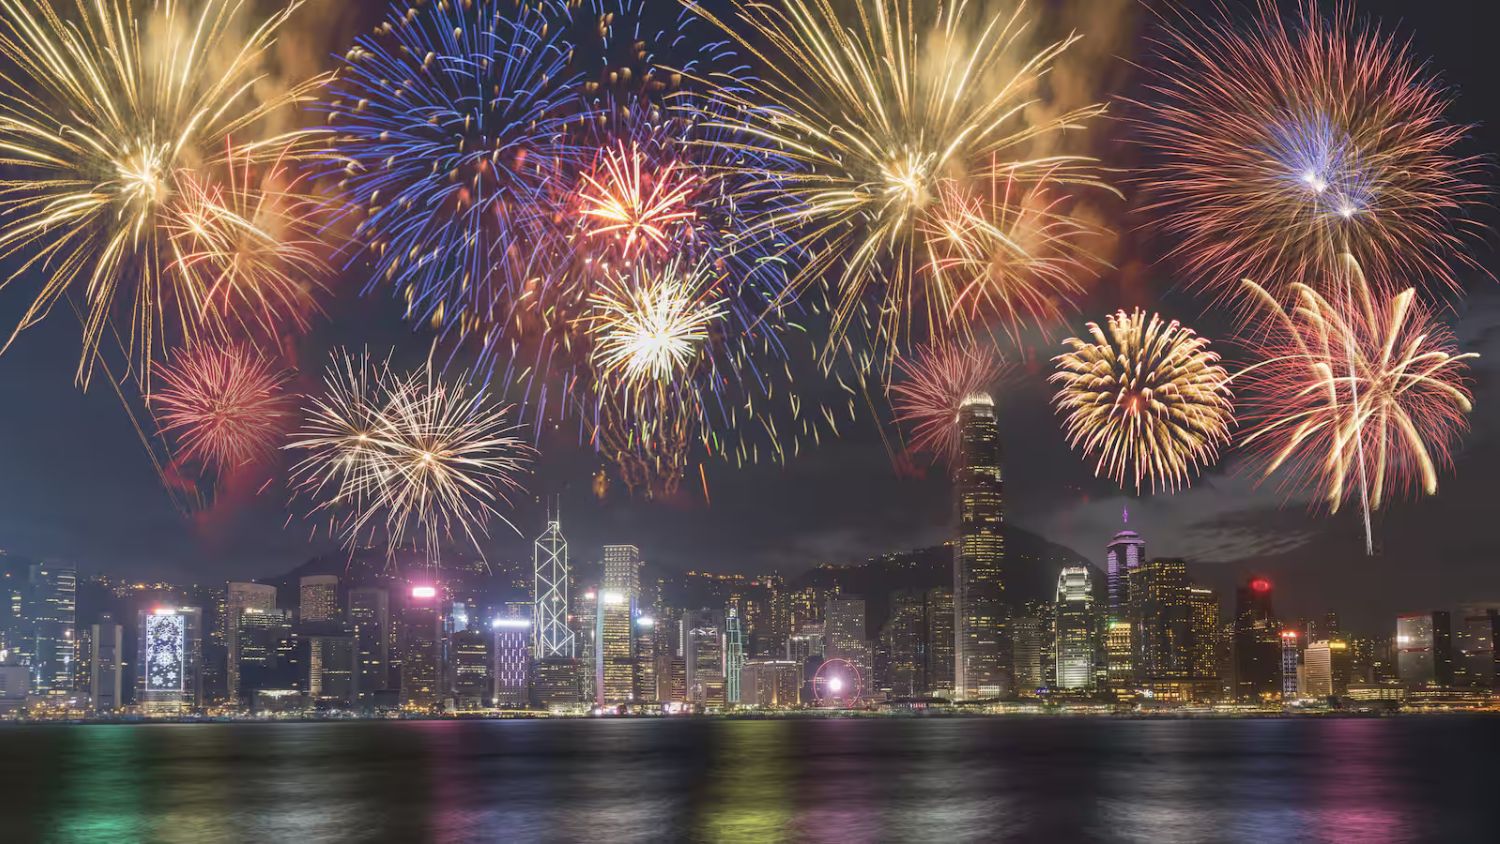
(934, 386)
(224, 405)
(1284, 144)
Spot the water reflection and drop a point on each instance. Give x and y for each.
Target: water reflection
(1403, 779)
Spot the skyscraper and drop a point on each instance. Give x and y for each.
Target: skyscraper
(550, 614)
(622, 570)
(51, 610)
(646, 652)
(473, 683)
(370, 613)
(331, 661)
(844, 635)
(734, 654)
(614, 647)
(1257, 643)
(940, 641)
(242, 596)
(1204, 607)
(511, 652)
(1424, 648)
(169, 675)
(105, 665)
(905, 641)
(1124, 554)
(1075, 629)
(1327, 665)
(703, 656)
(981, 661)
(421, 649)
(319, 595)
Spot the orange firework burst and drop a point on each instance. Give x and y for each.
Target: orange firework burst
(1360, 394)
(640, 209)
(1282, 146)
(225, 405)
(935, 385)
(1147, 397)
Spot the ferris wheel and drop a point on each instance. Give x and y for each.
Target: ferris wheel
(837, 683)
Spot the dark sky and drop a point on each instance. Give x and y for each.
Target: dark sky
(75, 482)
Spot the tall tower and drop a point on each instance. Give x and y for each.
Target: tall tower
(622, 570)
(1075, 641)
(549, 558)
(981, 664)
(1124, 553)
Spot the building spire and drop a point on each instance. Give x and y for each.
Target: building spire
(1125, 515)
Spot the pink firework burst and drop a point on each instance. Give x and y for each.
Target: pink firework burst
(934, 385)
(224, 405)
(1283, 144)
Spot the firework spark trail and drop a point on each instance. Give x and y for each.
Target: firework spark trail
(935, 383)
(873, 131)
(1284, 145)
(407, 458)
(1318, 351)
(150, 92)
(1148, 397)
(226, 405)
(641, 210)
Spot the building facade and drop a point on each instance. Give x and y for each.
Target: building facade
(981, 658)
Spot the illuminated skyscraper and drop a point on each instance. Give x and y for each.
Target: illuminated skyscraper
(1424, 649)
(1124, 554)
(614, 648)
(1327, 665)
(1162, 610)
(1474, 644)
(319, 595)
(169, 675)
(1257, 643)
(51, 610)
(981, 660)
(1026, 637)
(940, 618)
(242, 596)
(646, 651)
(734, 654)
(770, 683)
(105, 666)
(585, 626)
(1204, 660)
(550, 565)
(370, 613)
(904, 637)
(622, 570)
(421, 649)
(511, 652)
(1291, 663)
(703, 657)
(331, 661)
(844, 635)
(473, 683)
(1075, 629)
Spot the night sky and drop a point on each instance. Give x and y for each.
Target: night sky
(76, 483)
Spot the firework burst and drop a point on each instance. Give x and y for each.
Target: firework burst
(1145, 399)
(653, 328)
(1284, 145)
(451, 126)
(936, 382)
(411, 459)
(888, 153)
(1358, 394)
(225, 405)
(153, 94)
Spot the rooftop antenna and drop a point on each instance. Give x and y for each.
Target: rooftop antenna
(1125, 515)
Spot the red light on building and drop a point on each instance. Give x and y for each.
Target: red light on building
(1260, 584)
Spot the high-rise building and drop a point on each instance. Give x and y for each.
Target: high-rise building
(556, 682)
(614, 647)
(169, 675)
(585, 620)
(105, 665)
(473, 682)
(905, 640)
(703, 656)
(1124, 554)
(622, 570)
(770, 683)
(319, 599)
(981, 659)
(734, 654)
(1327, 666)
(240, 597)
(940, 641)
(1291, 664)
(511, 654)
(844, 635)
(646, 652)
(550, 615)
(1474, 644)
(1161, 609)
(1027, 643)
(1076, 643)
(51, 611)
(369, 612)
(1119, 656)
(421, 649)
(1424, 648)
(806, 643)
(262, 640)
(1203, 662)
(331, 663)
(1257, 644)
